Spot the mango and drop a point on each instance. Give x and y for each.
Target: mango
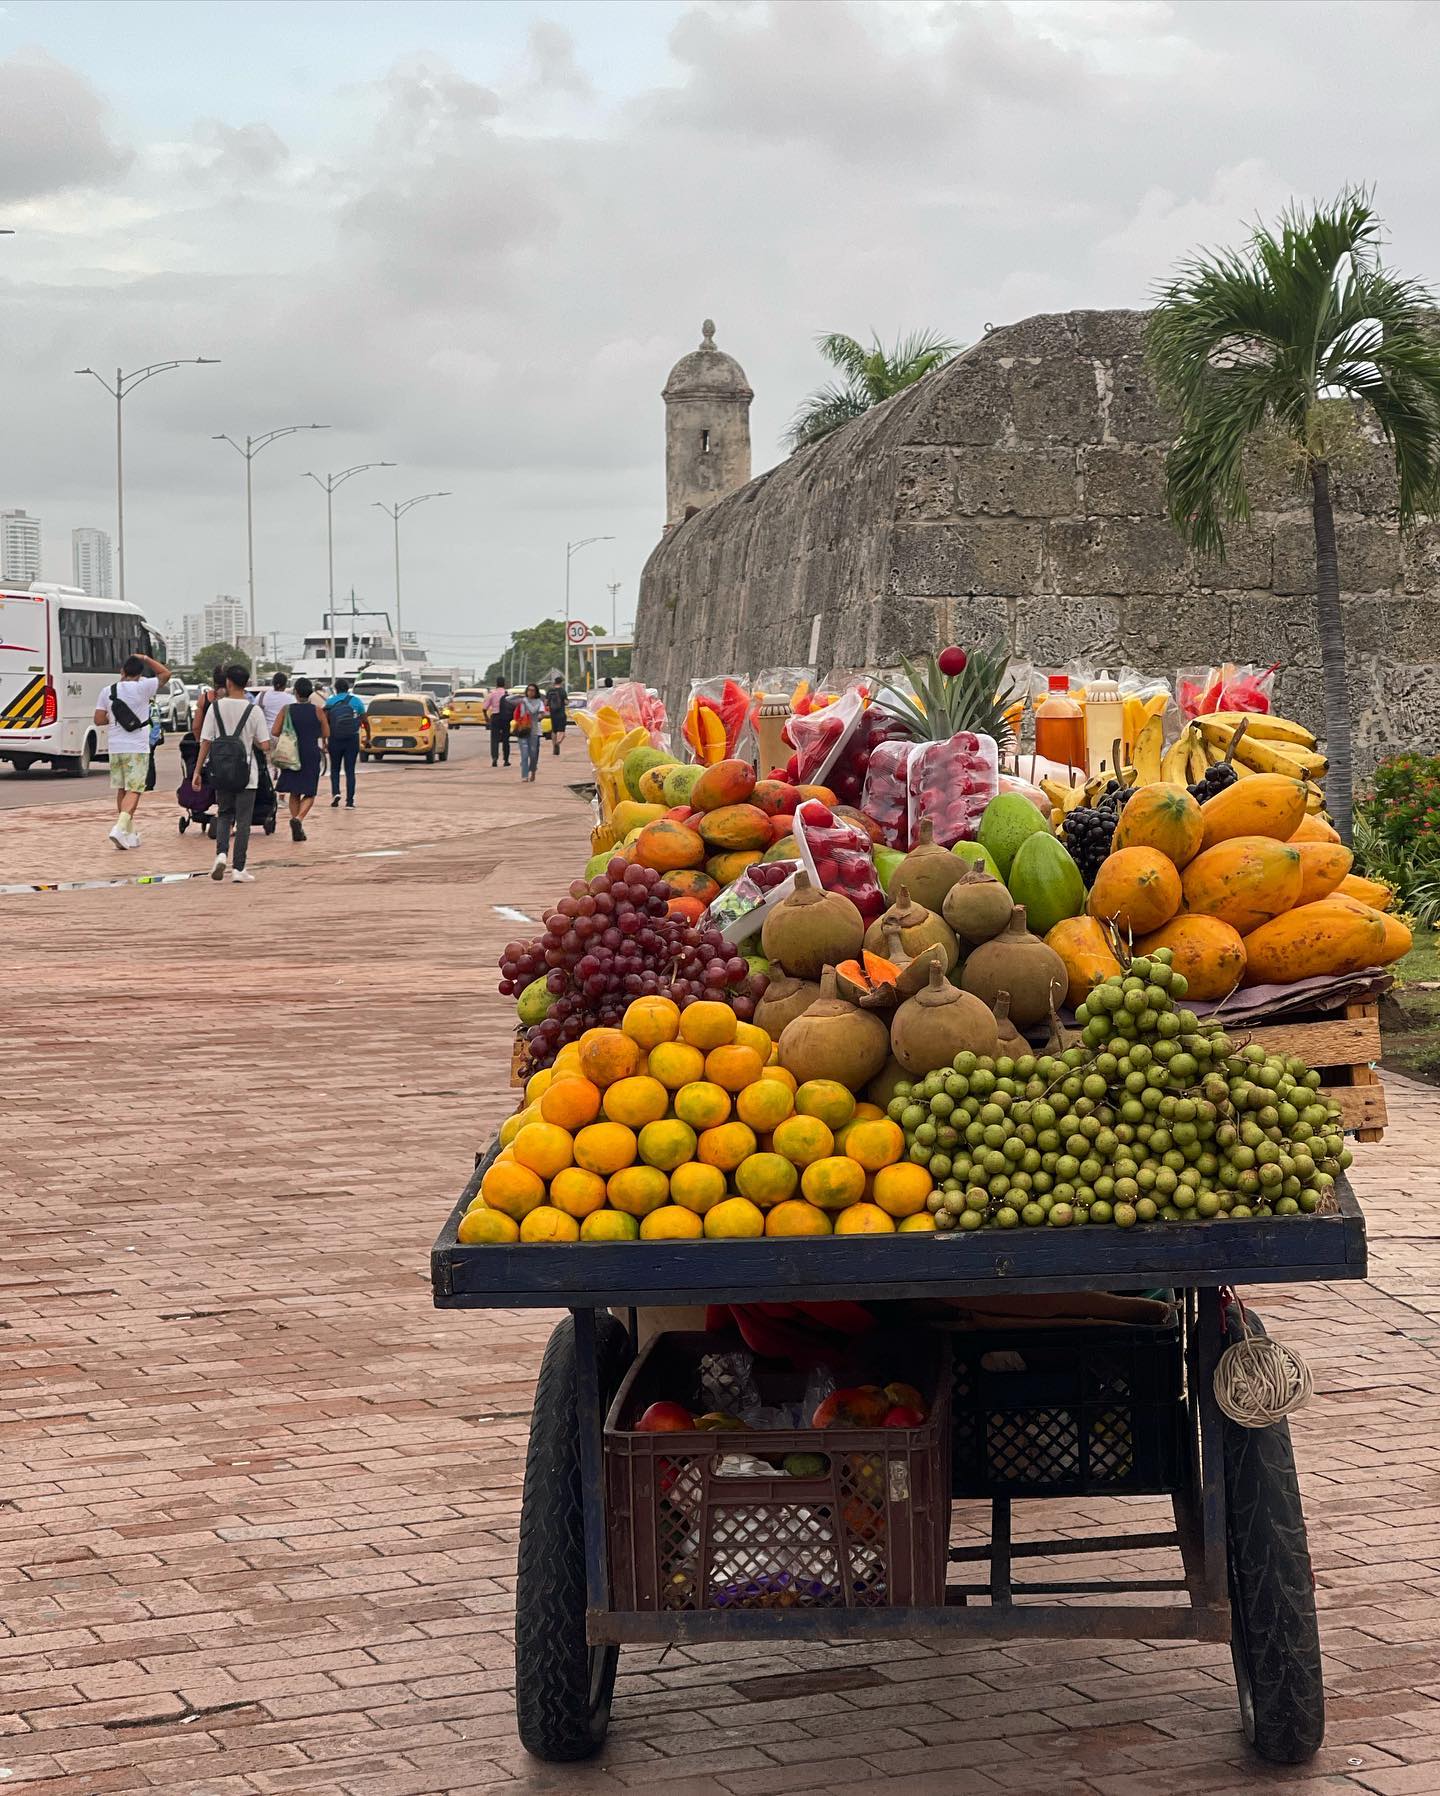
(637, 762)
(680, 783)
(735, 826)
(726, 783)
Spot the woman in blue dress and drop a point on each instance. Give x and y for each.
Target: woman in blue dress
(312, 732)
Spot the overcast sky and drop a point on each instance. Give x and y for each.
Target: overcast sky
(474, 237)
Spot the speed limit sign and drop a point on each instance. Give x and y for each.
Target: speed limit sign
(577, 632)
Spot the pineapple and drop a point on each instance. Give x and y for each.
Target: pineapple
(975, 696)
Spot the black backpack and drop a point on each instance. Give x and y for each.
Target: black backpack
(228, 763)
(340, 714)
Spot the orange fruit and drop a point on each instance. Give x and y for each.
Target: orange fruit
(547, 1224)
(544, 1148)
(901, 1190)
(828, 1099)
(512, 1189)
(649, 1021)
(637, 1101)
(702, 1105)
(570, 1102)
(764, 1104)
(606, 1055)
(874, 1142)
(567, 1060)
(733, 1067)
(765, 1178)
(488, 1228)
(725, 1146)
(667, 1144)
(676, 1063)
(867, 1113)
(697, 1186)
(833, 1182)
(609, 1225)
(796, 1217)
(537, 1084)
(637, 1189)
(671, 1223)
(864, 1219)
(605, 1147)
(751, 1035)
(512, 1125)
(737, 1219)
(783, 1074)
(577, 1192)
(803, 1139)
(706, 1024)
(921, 1223)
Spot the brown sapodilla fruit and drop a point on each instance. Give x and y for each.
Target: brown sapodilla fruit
(1019, 963)
(835, 1040)
(811, 930)
(938, 1023)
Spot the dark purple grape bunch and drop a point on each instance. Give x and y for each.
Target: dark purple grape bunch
(1090, 829)
(1213, 781)
(614, 938)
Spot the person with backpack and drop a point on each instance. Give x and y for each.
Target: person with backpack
(125, 706)
(343, 711)
(499, 709)
(233, 733)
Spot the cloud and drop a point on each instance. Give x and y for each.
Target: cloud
(55, 135)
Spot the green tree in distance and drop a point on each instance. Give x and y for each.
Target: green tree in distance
(1262, 341)
(868, 376)
(535, 651)
(213, 655)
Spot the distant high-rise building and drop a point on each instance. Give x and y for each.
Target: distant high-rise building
(19, 546)
(227, 619)
(192, 637)
(91, 560)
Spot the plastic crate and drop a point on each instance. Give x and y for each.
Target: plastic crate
(692, 1528)
(1068, 1411)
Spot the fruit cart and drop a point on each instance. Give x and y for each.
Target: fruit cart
(1238, 1527)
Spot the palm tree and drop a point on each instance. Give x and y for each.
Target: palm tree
(870, 375)
(1263, 340)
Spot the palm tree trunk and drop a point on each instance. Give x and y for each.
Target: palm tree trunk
(1330, 626)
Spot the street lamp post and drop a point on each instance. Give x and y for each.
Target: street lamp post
(572, 549)
(253, 446)
(395, 512)
(125, 384)
(328, 483)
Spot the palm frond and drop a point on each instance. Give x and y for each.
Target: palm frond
(870, 376)
(825, 410)
(844, 353)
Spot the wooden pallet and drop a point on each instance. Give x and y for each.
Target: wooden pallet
(1344, 1046)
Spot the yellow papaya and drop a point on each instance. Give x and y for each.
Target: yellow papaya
(1208, 952)
(1085, 949)
(1366, 891)
(1265, 804)
(1323, 939)
(1164, 817)
(1322, 867)
(1244, 881)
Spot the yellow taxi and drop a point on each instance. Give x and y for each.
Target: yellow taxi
(408, 725)
(466, 706)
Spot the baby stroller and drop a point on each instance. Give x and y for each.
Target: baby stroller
(195, 802)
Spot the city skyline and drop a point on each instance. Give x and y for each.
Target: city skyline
(92, 562)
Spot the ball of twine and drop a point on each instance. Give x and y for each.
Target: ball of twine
(1259, 1381)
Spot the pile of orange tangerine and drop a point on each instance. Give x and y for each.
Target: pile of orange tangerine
(682, 1126)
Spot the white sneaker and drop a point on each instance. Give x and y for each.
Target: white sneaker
(132, 839)
(218, 870)
(241, 878)
(119, 837)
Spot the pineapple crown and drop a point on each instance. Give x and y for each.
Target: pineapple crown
(974, 699)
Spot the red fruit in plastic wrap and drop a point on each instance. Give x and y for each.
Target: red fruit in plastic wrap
(951, 783)
(886, 797)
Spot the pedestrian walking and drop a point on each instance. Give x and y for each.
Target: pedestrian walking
(157, 736)
(312, 733)
(273, 698)
(343, 712)
(499, 708)
(526, 727)
(232, 739)
(556, 699)
(125, 706)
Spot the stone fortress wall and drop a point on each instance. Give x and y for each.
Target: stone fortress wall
(1018, 492)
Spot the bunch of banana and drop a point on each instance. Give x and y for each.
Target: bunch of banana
(609, 742)
(1140, 711)
(1269, 744)
(1146, 753)
(1185, 761)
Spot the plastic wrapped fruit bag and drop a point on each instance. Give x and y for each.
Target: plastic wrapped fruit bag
(846, 777)
(818, 737)
(886, 798)
(1204, 690)
(950, 785)
(720, 721)
(742, 908)
(837, 857)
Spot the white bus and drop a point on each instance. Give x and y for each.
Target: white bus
(58, 648)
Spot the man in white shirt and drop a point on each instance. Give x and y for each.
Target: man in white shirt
(244, 721)
(125, 707)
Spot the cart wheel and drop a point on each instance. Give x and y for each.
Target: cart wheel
(1274, 1635)
(562, 1686)
(184, 824)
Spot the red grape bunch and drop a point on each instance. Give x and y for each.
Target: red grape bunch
(614, 938)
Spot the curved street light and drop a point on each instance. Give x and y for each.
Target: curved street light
(125, 384)
(395, 512)
(572, 549)
(329, 482)
(253, 446)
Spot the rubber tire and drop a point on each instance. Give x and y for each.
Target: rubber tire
(430, 758)
(78, 766)
(563, 1688)
(445, 752)
(23, 763)
(183, 823)
(1274, 1633)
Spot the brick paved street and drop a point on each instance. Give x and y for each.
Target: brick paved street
(259, 1501)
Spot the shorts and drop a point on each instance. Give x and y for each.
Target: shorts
(127, 772)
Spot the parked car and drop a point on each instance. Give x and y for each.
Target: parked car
(176, 707)
(410, 724)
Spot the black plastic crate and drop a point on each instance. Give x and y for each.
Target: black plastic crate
(701, 1520)
(1068, 1411)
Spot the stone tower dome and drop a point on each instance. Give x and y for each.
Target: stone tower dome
(707, 429)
